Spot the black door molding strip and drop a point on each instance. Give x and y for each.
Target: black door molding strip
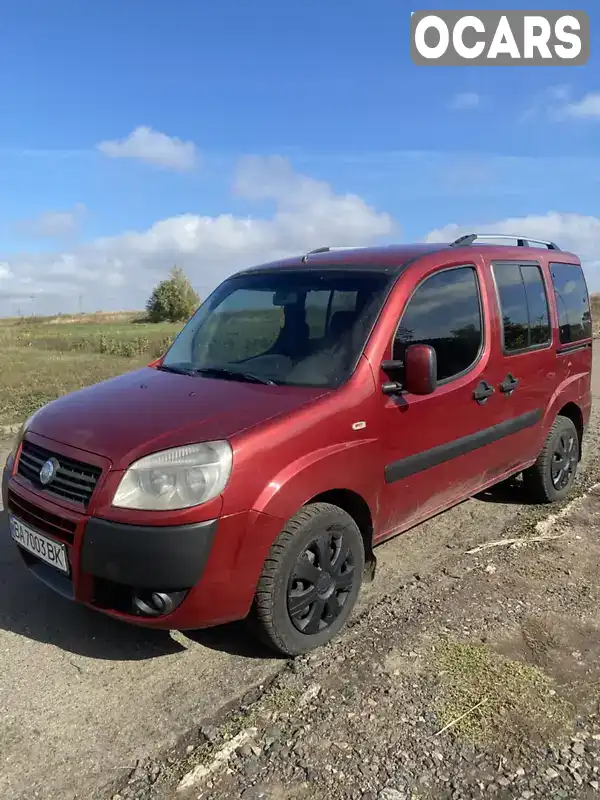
(405, 467)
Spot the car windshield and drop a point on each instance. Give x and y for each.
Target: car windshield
(282, 327)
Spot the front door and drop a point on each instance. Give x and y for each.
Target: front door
(438, 447)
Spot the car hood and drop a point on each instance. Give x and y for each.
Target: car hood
(146, 410)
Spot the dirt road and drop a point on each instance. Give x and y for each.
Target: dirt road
(482, 683)
(85, 698)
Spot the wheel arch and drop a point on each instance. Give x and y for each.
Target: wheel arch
(357, 507)
(573, 412)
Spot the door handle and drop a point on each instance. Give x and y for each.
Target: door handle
(482, 392)
(509, 384)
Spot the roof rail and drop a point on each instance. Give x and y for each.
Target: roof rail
(522, 241)
(327, 249)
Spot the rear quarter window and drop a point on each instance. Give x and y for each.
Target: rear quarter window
(572, 302)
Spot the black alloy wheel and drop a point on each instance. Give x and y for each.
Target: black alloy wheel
(551, 478)
(310, 580)
(321, 581)
(564, 460)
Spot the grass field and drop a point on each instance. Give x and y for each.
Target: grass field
(46, 357)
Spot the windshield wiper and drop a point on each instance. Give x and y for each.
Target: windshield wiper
(235, 374)
(178, 370)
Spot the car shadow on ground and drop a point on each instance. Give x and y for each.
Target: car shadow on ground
(510, 492)
(235, 638)
(29, 608)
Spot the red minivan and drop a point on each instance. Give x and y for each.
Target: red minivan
(309, 410)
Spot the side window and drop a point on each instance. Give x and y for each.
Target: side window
(523, 305)
(316, 304)
(537, 303)
(343, 301)
(323, 307)
(572, 302)
(444, 312)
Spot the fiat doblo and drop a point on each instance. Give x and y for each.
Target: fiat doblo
(309, 410)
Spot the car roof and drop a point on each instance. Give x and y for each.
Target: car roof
(386, 258)
(395, 258)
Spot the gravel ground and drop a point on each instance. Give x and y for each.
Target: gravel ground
(86, 699)
(508, 636)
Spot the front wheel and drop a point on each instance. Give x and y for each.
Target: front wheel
(552, 476)
(310, 581)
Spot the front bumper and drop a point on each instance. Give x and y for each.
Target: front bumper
(146, 557)
(142, 570)
(207, 570)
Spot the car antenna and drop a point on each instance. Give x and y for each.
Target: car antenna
(328, 250)
(314, 252)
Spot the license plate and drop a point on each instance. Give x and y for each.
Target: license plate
(48, 550)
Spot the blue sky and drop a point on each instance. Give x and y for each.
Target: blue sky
(328, 87)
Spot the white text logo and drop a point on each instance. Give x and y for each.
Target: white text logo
(453, 38)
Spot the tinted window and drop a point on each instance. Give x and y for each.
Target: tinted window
(523, 305)
(316, 304)
(572, 302)
(445, 313)
(242, 326)
(537, 304)
(513, 306)
(322, 305)
(304, 328)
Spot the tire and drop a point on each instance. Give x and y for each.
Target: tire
(299, 563)
(552, 476)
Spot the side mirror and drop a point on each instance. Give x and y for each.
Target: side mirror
(420, 369)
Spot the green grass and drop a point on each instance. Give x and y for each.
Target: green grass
(44, 358)
(519, 699)
(116, 339)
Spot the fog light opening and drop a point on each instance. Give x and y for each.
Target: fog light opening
(157, 604)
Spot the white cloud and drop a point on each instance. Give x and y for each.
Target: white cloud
(586, 108)
(574, 232)
(558, 103)
(463, 101)
(153, 147)
(53, 224)
(5, 272)
(120, 271)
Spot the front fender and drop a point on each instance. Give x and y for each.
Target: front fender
(348, 465)
(345, 465)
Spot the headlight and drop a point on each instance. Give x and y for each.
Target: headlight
(18, 438)
(178, 478)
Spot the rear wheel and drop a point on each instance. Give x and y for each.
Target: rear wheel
(552, 476)
(310, 580)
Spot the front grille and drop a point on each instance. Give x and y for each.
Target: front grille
(74, 480)
(40, 520)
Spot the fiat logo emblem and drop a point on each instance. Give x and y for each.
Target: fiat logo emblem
(48, 471)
